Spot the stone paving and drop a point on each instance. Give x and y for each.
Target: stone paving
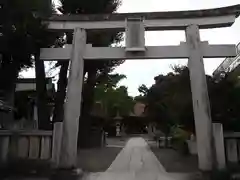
(136, 162)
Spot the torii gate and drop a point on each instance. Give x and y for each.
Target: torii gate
(135, 25)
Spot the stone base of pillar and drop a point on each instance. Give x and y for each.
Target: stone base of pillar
(69, 174)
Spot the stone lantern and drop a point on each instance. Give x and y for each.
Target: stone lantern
(118, 119)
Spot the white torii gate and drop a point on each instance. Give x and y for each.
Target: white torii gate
(135, 24)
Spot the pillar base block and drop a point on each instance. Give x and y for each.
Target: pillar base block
(69, 174)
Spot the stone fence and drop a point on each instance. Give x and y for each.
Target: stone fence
(227, 146)
(30, 144)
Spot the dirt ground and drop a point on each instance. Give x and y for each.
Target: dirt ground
(99, 159)
(173, 161)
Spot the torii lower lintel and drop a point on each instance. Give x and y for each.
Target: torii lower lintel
(152, 52)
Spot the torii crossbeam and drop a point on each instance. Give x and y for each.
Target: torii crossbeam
(152, 52)
(175, 20)
(135, 25)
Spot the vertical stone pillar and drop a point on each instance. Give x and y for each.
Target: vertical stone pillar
(4, 149)
(72, 108)
(201, 106)
(219, 145)
(232, 150)
(56, 143)
(35, 116)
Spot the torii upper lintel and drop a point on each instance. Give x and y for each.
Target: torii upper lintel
(172, 20)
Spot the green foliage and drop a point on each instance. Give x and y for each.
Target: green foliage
(113, 98)
(168, 98)
(143, 90)
(21, 35)
(170, 101)
(225, 100)
(86, 7)
(97, 38)
(179, 136)
(95, 70)
(178, 132)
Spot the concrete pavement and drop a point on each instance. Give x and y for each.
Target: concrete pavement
(135, 162)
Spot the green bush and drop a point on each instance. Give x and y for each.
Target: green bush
(179, 139)
(178, 133)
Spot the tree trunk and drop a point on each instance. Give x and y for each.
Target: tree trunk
(8, 77)
(9, 98)
(42, 108)
(58, 113)
(88, 93)
(61, 93)
(85, 118)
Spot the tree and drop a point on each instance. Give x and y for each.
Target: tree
(225, 100)
(113, 98)
(170, 100)
(93, 69)
(143, 90)
(22, 36)
(169, 97)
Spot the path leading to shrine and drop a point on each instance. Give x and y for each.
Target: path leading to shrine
(136, 162)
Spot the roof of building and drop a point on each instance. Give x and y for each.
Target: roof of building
(31, 80)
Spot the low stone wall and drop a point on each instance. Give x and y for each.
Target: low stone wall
(227, 146)
(20, 144)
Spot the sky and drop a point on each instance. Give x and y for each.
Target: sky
(143, 71)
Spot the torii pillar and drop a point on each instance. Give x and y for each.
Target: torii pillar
(200, 99)
(73, 101)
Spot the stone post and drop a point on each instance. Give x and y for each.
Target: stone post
(232, 150)
(56, 143)
(201, 107)
(4, 148)
(72, 108)
(219, 145)
(35, 116)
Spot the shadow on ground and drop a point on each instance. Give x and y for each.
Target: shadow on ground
(173, 161)
(99, 159)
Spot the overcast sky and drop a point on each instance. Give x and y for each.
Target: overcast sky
(143, 71)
